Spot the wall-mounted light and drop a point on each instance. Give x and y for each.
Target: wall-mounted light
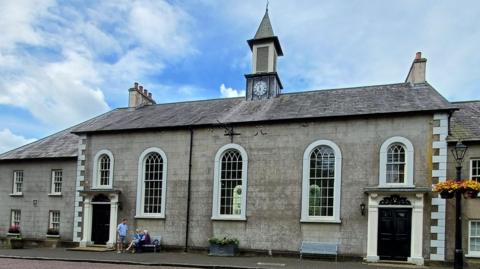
(362, 209)
(35, 203)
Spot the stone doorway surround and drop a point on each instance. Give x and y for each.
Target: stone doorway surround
(113, 195)
(411, 198)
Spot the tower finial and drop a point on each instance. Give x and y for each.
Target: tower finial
(266, 9)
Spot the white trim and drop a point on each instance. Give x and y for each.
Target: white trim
(95, 173)
(216, 184)
(52, 187)
(471, 167)
(410, 155)
(140, 179)
(337, 183)
(15, 182)
(471, 253)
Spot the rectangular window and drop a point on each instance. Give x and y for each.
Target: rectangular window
(262, 59)
(15, 218)
(474, 238)
(57, 176)
(17, 182)
(54, 222)
(475, 170)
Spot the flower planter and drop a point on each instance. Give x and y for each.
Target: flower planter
(15, 243)
(470, 194)
(223, 250)
(447, 194)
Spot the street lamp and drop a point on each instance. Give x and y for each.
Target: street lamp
(458, 153)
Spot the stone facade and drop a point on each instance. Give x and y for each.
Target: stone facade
(35, 203)
(275, 157)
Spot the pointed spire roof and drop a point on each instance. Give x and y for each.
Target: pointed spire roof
(265, 34)
(265, 29)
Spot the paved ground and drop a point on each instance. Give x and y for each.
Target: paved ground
(6, 263)
(174, 259)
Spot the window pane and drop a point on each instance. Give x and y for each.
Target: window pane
(104, 170)
(395, 164)
(476, 170)
(231, 183)
(153, 184)
(321, 194)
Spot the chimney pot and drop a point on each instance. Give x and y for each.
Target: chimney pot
(145, 92)
(418, 56)
(150, 95)
(135, 85)
(140, 88)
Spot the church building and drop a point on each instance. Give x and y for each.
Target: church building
(351, 166)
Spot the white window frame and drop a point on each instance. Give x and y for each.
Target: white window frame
(96, 171)
(216, 184)
(52, 190)
(51, 219)
(306, 184)
(471, 168)
(409, 163)
(470, 252)
(15, 182)
(13, 218)
(140, 184)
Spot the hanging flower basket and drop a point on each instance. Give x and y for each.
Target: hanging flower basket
(447, 195)
(447, 189)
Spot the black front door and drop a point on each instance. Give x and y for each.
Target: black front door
(394, 233)
(100, 223)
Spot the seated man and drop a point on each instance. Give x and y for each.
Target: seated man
(136, 238)
(145, 240)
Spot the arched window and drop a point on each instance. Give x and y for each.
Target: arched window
(151, 185)
(321, 182)
(396, 163)
(103, 170)
(230, 183)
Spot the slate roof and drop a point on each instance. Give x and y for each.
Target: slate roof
(63, 144)
(265, 28)
(381, 99)
(465, 123)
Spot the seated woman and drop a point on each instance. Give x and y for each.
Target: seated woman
(145, 240)
(136, 237)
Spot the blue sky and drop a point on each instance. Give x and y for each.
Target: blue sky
(63, 62)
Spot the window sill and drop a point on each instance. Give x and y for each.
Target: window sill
(332, 221)
(220, 218)
(16, 194)
(386, 186)
(55, 194)
(102, 188)
(53, 236)
(149, 217)
(469, 255)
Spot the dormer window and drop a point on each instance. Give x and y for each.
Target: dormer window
(103, 170)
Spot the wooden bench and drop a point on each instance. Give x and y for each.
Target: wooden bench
(322, 248)
(155, 244)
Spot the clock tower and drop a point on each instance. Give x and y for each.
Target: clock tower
(264, 83)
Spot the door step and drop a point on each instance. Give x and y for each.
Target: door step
(94, 248)
(395, 264)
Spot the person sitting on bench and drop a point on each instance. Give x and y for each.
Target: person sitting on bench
(145, 240)
(136, 237)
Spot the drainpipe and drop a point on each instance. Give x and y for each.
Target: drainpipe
(189, 186)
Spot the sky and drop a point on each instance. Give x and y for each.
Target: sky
(63, 62)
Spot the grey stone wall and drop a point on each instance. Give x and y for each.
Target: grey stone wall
(274, 179)
(470, 207)
(36, 186)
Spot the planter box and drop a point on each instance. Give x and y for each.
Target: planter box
(15, 243)
(52, 241)
(223, 250)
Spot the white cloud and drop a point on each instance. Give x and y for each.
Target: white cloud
(62, 62)
(9, 140)
(230, 92)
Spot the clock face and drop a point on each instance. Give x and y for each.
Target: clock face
(260, 88)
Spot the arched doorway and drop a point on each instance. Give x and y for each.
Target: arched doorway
(100, 219)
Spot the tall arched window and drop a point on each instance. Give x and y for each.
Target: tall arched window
(151, 187)
(229, 201)
(321, 182)
(396, 163)
(103, 170)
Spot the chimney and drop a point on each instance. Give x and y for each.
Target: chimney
(138, 96)
(417, 70)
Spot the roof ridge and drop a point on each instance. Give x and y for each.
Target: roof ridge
(465, 101)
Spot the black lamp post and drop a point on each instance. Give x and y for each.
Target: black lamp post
(458, 153)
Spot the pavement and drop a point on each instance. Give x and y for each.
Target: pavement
(190, 260)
